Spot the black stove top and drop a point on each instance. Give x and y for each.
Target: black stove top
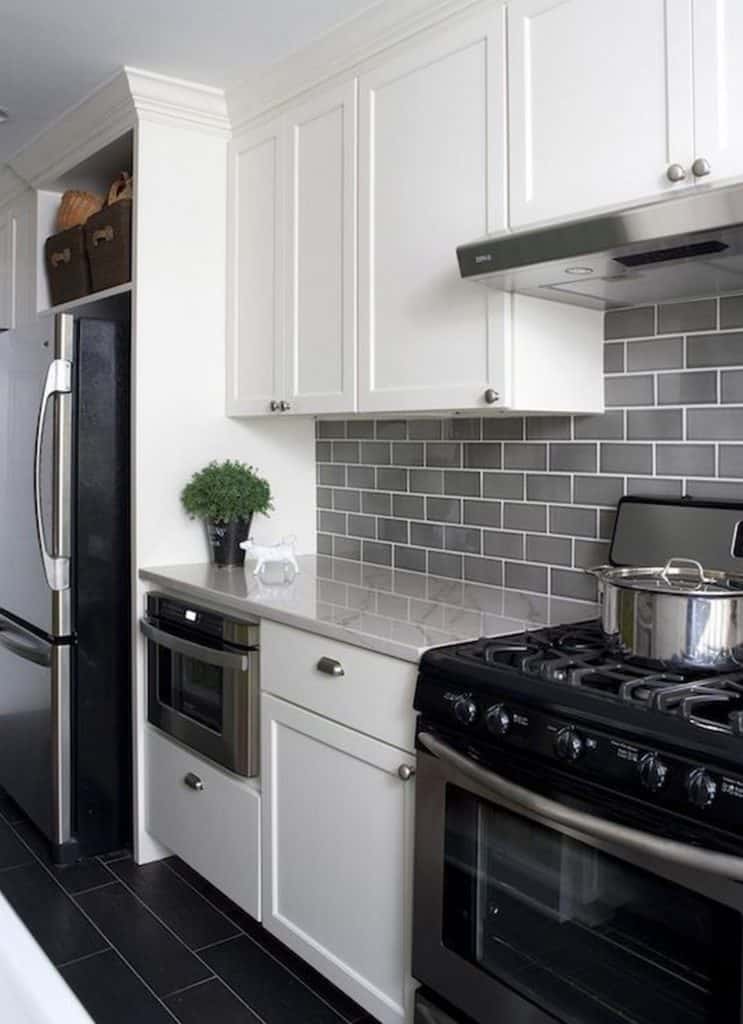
(580, 656)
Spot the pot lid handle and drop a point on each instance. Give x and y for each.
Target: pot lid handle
(676, 562)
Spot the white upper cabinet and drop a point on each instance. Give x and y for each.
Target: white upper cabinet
(431, 176)
(600, 103)
(320, 329)
(718, 89)
(7, 271)
(255, 350)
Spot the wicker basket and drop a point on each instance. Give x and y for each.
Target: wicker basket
(67, 266)
(75, 208)
(108, 238)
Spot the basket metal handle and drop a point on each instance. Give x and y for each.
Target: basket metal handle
(60, 257)
(103, 235)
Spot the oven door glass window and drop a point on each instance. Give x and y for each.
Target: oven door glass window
(586, 936)
(192, 688)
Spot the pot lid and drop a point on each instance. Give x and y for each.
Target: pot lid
(682, 576)
(650, 531)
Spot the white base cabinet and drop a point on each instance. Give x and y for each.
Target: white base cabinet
(214, 828)
(337, 821)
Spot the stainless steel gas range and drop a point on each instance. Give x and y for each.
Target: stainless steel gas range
(579, 832)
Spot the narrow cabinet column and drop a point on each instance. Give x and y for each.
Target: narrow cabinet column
(321, 253)
(256, 219)
(431, 176)
(7, 270)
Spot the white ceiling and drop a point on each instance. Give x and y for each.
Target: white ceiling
(54, 52)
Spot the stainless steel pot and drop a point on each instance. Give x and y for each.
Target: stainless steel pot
(680, 614)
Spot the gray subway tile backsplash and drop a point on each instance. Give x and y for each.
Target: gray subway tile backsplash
(529, 502)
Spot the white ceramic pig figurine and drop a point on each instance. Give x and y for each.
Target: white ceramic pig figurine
(266, 553)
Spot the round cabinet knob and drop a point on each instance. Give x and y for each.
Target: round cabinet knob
(406, 772)
(701, 788)
(653, 772)
(491, 396)
(568, 744)
(274, 406)
(676, 173)
(498, 719)
(701, 167)
(284, 406)
(465, 711)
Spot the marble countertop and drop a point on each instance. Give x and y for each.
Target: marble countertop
(397, 613)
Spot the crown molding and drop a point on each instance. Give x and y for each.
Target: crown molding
(345, 47)
(158, 97)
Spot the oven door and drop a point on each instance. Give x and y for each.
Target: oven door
(205, 696)
(529, 909)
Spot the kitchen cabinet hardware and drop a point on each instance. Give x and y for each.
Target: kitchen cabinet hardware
(491, 396)
(701, 167)
(284, 406)
(406, 772)
(193, 781)
(330, 667)
(676, 173)
(274, 406)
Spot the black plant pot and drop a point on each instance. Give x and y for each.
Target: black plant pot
(225, 540)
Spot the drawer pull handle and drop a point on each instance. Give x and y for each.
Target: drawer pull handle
(330, 667)
(194, 782)
(406, 772)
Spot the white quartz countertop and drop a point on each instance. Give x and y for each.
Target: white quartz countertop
(397, 613)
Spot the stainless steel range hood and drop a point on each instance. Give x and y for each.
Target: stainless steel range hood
(673, 249)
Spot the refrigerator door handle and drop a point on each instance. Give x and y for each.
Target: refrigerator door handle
(58, 382)
(18, 641)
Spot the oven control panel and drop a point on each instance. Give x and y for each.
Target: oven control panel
(658, 775)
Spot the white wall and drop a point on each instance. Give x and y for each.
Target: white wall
(179, 373)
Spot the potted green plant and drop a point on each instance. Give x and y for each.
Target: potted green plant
(226, 496)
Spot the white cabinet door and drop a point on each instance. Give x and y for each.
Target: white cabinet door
(600, 103)
(7, 271)
(337, 854)
(431, 176)
(321, 253)
(718, 87)
(256, 204)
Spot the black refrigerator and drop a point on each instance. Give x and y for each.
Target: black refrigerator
(65, 580)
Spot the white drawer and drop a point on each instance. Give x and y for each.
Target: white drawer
(216, 829)
(374, 695)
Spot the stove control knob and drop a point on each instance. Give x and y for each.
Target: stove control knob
(701, 788)
(653, 772)
(568, 744)
(465, 711)
(498, 719)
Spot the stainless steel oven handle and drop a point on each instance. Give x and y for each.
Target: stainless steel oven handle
(526, 800)
(12, 640)
(222, 659)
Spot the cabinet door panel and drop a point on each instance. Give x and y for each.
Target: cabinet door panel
(718, 86)
(254, 358)
(600, 103)
(431, 176)
(321, 249)
(337, 873)
(7, 271)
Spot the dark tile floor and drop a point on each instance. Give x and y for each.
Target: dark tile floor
(157, 943)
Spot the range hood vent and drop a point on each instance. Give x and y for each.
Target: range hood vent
(678, 248)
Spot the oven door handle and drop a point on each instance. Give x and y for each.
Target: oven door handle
(207, 655)
(520, 799)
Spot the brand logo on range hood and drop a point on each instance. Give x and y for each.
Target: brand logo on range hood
(485, 258)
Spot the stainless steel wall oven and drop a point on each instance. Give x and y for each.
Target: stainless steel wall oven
(203, 681)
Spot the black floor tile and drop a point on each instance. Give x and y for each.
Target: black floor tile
(105, 858)
(231, 910)
(12, 851)
(194, 921)
(9, 809)
(74, 877)
(210, 1003)
(154, 953)
(51, 916)
(267, 987)
(113, 994)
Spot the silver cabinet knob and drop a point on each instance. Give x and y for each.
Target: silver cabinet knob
(676, 173)
(330, 667)
(284, 406)
(491, 396)
(406, 772)
(274, 406)
(701, 167)
(194, 782)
